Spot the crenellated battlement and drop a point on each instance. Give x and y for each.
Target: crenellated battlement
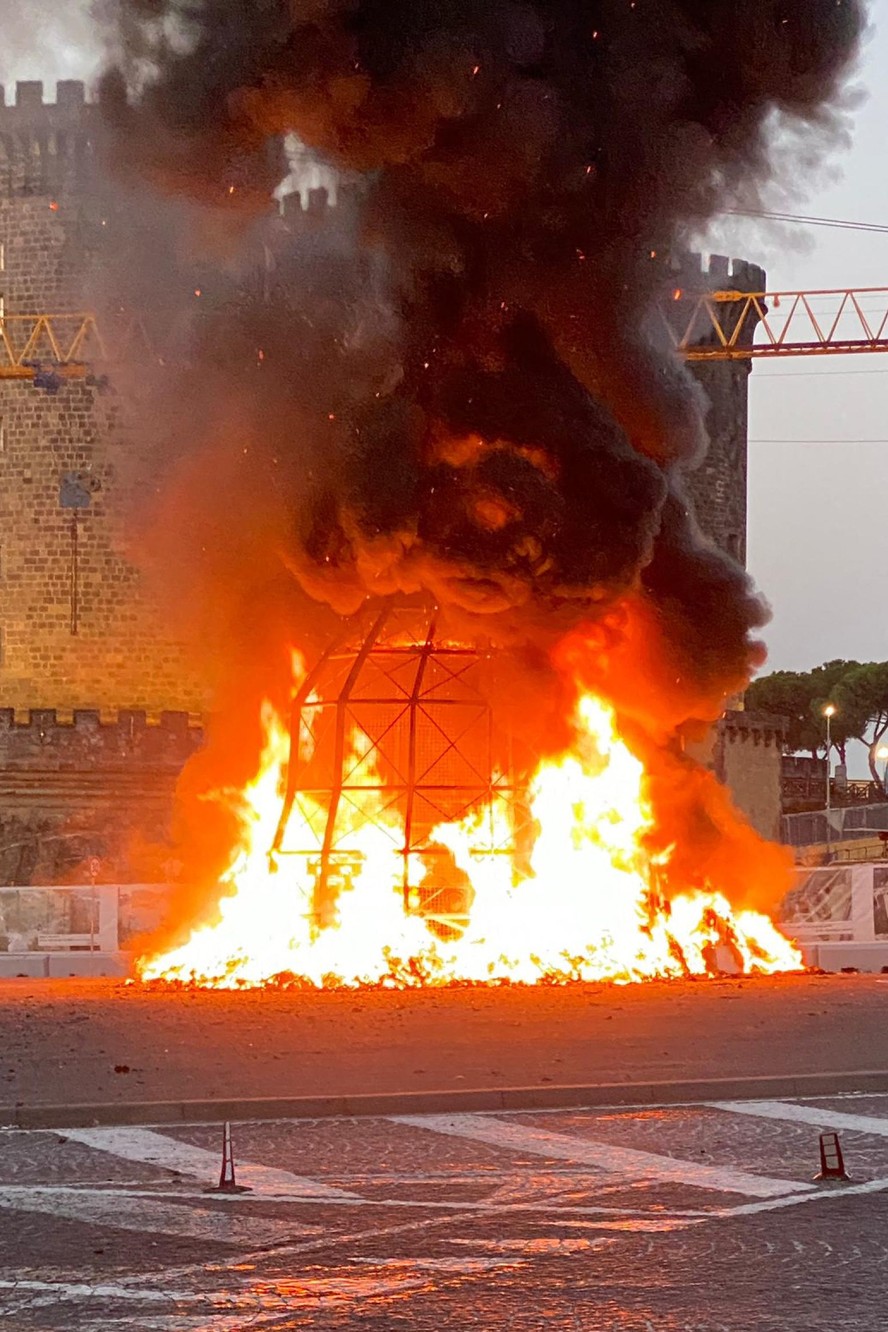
(316, 209)
(28, 99)
(45, 742)
(757, 728)
(696, 272)
(688, 279)
(691, 271)
(46, 146)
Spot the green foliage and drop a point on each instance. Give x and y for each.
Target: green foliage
(862, 693)
(800, 696)
(859, 691)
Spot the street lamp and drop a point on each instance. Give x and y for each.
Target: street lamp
(882, 753)
(829, 712)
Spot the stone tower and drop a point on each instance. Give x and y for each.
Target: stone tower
(718, 486)
(94, 690)
(77, 629)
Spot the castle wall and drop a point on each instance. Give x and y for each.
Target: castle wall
(49, 213)
(748, 753)
(83, 799)
(77, 625)
(718, 486)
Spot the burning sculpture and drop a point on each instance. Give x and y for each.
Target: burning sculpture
(409, 850)
(395, 722)
(478, 413)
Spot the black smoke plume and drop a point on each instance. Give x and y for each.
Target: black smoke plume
(499, 427)
(525, 165)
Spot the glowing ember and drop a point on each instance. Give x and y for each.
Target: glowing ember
(582, 903)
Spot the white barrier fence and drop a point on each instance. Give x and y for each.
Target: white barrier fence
(838, 902)
(834, 907)
(77, 917)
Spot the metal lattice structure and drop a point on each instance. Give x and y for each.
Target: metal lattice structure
(703, 326)
(77, 346)
(394, 719)
(742, 326)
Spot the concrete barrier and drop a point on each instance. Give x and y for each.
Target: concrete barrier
(63, 962)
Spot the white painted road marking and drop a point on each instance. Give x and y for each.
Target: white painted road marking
(805, 1114)
(633, 1164)
(151, 1148)
(816, 1195)
(150, 1216)
(80, 1290)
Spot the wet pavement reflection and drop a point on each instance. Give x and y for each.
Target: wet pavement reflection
(697, 1217)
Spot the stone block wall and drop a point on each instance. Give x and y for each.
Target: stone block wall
(747, 758)
(83, 798)
(718, 485)
(76, 625)
(50, 210)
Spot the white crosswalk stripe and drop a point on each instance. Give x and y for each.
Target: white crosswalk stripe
(151, 1148)
(413, 1202)
(114, 1210)
(633, 1164)
(806, 1114)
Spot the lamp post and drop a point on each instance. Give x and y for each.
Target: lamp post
(882, 753)
(829, 712)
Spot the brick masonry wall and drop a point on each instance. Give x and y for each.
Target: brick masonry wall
(77, 625)
(83, 796)
(718, 486)
(748, 759)
(50, 212)
(42, 256)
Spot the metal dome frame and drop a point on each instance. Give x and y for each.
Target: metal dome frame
(397, 679)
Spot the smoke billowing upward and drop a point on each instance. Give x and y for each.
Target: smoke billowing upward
(501, 428)
(42, 39)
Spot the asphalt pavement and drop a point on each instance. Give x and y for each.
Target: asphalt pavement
(696, 1217)
(65, 1043)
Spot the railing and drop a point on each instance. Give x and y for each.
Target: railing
(860, 852)
(811, 791)
(68, 918)
(834, 903)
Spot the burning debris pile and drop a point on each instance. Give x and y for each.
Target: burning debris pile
(477, 413)
(406, 854)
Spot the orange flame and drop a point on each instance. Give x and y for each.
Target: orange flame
(583, 904)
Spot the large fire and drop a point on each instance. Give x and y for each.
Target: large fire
(580, 903)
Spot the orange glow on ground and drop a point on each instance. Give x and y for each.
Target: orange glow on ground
(581, 903)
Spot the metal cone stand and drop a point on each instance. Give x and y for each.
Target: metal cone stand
(227, 1182)
(832, 1161)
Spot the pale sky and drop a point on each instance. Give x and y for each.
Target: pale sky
(818, 512)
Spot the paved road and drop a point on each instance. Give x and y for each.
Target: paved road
(654, 1220)
(87, 1041)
